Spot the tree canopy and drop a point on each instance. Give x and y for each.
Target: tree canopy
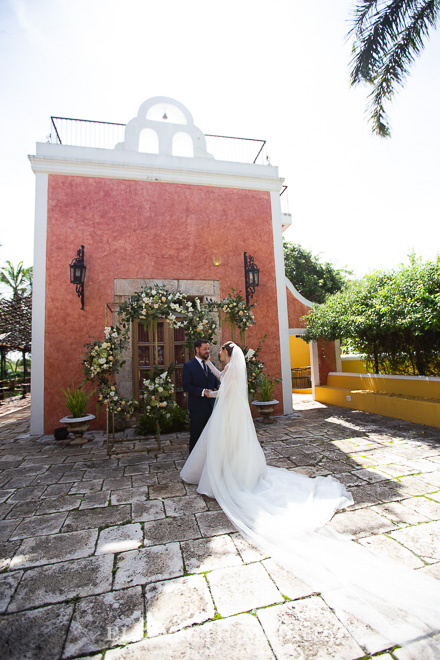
(391, 317)
(315, 280)
(387, 36)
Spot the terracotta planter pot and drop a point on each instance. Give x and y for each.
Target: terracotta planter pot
(266, 408)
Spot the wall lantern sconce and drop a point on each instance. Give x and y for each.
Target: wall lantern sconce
(78, 274)
(251, 276)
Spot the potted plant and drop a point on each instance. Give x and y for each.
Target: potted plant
(266, 402)
(76, 401)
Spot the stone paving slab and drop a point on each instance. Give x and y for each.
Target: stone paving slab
(38, 633)
(423, 540)
(119, 539)
(422, 650)
(383, 545)
(7, 552)
(147, 565)
(399, 514)
(426, 506)
(8, 585)
(54, 548)
(102, 517)
(167, 490)
(62, 503)
(214, 522)
(208, 554)
(62, 488)
(179, 506)
(229, 639)
(117, 555)
(370, 640)
(177, 604)
(93, 500)
(307, 630)
(179, 528)
(248, 552)
(288, 584)
(360, 523)
(39, 526)
(22, 509)
(145, 511)
(59, 582)
(242, 588)
(415, 485)
(106, 620)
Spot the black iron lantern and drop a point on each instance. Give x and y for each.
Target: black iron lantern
(78, 274)
(251, 276)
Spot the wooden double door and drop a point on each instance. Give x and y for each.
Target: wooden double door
(170, 348)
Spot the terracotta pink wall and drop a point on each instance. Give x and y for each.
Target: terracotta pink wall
(137, 229)
(326, 349)
(295, 310)
(326, 359)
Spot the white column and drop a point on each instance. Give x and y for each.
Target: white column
(338, 355)
(283, 319)
(314, 365)
(38, 305)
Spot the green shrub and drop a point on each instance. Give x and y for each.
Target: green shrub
(393, 318)
(177, 421)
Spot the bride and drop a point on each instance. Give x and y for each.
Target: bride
(228, 463)
(284, 514)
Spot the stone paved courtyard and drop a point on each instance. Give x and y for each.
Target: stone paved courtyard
(115, 557)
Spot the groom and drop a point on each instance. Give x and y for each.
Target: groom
(199, 382)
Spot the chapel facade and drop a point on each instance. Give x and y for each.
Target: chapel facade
(154, 207)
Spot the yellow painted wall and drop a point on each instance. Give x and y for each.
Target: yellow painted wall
(353, 365)
(299, 352)
(419, 410)
(416, 399)
(418, 386)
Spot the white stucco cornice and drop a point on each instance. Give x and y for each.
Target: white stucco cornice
(114, 164)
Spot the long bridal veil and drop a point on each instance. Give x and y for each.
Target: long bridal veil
(284, 514)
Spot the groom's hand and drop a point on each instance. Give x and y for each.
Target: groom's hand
(208, 393)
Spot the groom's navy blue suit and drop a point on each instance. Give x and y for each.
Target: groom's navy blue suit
(194, 381)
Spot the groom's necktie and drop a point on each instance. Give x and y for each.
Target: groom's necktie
(205, 368)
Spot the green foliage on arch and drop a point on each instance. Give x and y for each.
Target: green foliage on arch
(103, 358)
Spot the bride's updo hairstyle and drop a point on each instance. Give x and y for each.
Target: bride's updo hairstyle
(229, 347)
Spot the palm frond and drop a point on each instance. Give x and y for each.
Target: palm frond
(388, 37)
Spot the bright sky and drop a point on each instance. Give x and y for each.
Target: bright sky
(272, 69)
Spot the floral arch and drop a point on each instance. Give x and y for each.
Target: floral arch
(103, 358)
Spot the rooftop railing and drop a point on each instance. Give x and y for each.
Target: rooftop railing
(85, 132)
(105, 135)
(284, 200)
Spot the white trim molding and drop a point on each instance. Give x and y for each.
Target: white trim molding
(428, 379)
(114, 164)
(38, 305)
(283, 319)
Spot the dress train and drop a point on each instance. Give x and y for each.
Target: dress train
(284, 514)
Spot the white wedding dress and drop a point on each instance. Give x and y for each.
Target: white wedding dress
(284, 514)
